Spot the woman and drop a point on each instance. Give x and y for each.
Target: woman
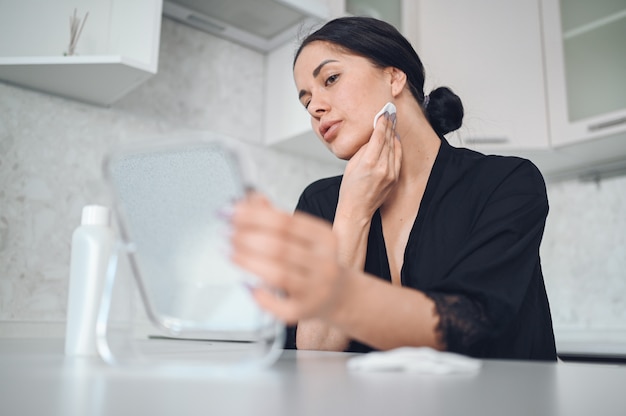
(418, 243)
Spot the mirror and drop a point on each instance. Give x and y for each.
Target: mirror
(168, 199)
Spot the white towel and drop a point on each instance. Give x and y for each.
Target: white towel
(423, 360)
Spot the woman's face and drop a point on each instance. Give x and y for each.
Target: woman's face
(342, 92)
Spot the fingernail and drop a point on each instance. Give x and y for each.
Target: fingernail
(393, 120)
(225, 212)
(397, 137)
(249, 286)
(386, 115)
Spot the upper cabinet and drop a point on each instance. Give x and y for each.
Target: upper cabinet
(287, 123)
(489, 52)
(585, 54)
(539, 79)
(117, 50)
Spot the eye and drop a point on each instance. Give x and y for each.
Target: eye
(331, 79)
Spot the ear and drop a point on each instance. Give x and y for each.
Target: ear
(398, 80)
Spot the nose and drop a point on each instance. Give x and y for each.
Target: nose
(318, 106)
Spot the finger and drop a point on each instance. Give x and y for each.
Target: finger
(390, 137)
(275, 245)
(377, 142)
(391, 128)
(257, 198)
(385, 157)
(397, 150)
(270, 272)
(281, 307)
(254, 212)
(298, 228)
(259, 246)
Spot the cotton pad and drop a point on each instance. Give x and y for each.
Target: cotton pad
(389, 108)
(422, 360)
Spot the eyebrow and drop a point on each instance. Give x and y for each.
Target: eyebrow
(316, 72)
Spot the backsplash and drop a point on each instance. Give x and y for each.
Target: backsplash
(584, 255)
(50, 167)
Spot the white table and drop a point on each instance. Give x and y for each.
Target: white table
(36, 379)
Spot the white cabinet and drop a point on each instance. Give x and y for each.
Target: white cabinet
(541, 79)
(287, 123)
(118, 48)
(585, 44)
(488, 52)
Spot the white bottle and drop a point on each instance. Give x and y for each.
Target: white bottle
(92, 243)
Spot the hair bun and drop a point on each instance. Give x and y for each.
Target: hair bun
(444, 110)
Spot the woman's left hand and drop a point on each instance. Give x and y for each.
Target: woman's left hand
(372, 173)
(295, 255)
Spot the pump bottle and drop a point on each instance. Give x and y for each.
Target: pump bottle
(92, 243)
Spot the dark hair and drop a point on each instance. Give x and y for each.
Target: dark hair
(384, 46)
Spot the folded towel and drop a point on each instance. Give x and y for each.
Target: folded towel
(423, 360)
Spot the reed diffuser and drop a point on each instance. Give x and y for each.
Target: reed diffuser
(76, 28)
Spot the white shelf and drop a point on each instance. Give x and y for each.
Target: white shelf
(117, 50)
(97, 80)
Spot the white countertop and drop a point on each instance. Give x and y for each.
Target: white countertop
(599, 343)
(37, 379)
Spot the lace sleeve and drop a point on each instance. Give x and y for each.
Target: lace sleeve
(463, 323)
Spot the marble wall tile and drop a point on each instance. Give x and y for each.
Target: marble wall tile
(584, 254)
(203, 83)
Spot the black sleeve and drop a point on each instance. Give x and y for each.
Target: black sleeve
(488, 279)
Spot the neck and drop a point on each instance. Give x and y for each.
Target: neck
(420, 144)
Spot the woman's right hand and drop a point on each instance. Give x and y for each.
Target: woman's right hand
(372, 172)
(294, 254)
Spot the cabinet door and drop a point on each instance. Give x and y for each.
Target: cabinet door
(287, 123)
(586, 68)
(489, 53)
(390, 11)
(285, 117)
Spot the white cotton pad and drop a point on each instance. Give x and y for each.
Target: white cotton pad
(422, 360)
(389, 107)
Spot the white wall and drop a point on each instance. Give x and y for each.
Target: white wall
(51, 149)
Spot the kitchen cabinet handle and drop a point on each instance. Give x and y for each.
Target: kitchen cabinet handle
(487, 140)
(606, 124)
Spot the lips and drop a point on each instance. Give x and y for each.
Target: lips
(328, 129)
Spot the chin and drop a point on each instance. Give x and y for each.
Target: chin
(344, 147)
(341, 153)
(341, 157)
